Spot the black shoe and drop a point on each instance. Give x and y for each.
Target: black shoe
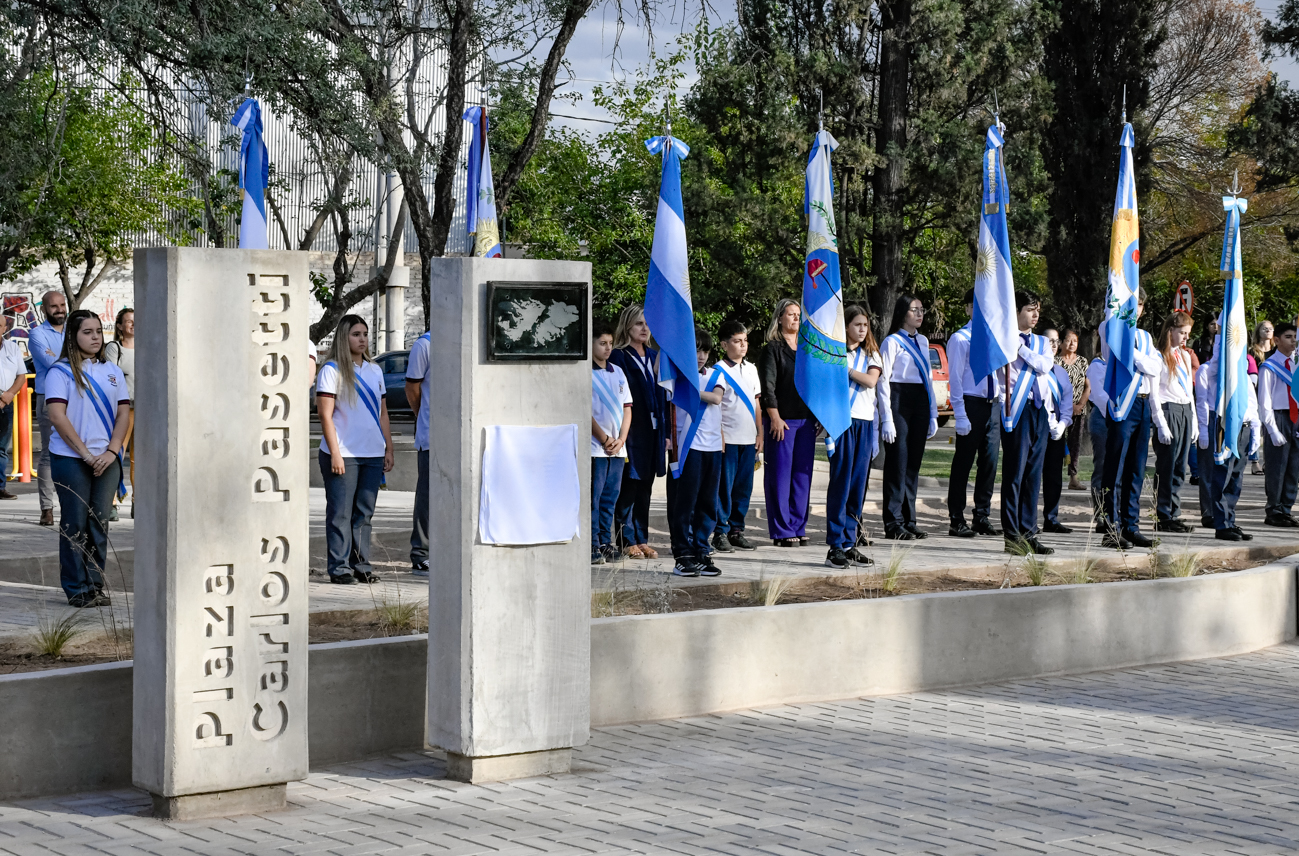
(1137, 539)
(1102, 526)
(1175, 525)
(611, 553)
(911, 527)
(803, 541)
(958, 529)
(857, 557)
(1293, 522)
(983, 527)
(708, 569)
(1206, 522)
(1058, 528)
(862, 539)
(836, 559)
(343, 580)
(1195, 480)
(721, 545)
(1283, 521)
(786, 542)
(686, 567)
(1040, 548)
(1018, 546)
(597, 558)
(81, 601)
(1244, 536)
(899, 535)
(366, 577)
(1227, 535)
(102, 599)
(1114, 541)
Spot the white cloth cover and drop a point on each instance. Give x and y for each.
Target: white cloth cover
(531, 493)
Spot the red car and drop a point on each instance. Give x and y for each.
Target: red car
(938, 366)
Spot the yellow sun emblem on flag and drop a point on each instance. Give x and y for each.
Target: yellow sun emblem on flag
(985, 264)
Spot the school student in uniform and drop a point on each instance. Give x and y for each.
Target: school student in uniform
(1127, 443)
(357, 449)
(649, 427)
(1204, 460)
(419, 379)
(1280, 416)
(910, 416)
(692, 494)
(1224, 480)
(1059, 420)
(742, 428)
(1176, 428)
(89, 410)
(1025, 431)
(976, 406)
(610, 425)
(853, 451)
(1097, 430)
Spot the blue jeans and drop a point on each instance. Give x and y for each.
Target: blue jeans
(419, 525)
(1126, 447)
(84, 504)
(736, 489)
(606, 481)
(849, 466)
(349, 505)
(6, 441)
(692, 504)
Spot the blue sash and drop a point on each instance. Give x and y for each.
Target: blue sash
(739, 390)
(607, 399)
(857, 362)
(1184, 376)
(106, 412)
(922, 363)
(1024, 387)
(1281, 373)
(694, 425)
(1141, 343)
(371, 400)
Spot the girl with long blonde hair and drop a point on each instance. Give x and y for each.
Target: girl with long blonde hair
(646, 453)
(1175, 425)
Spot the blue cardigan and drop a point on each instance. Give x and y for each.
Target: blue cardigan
(646, 455)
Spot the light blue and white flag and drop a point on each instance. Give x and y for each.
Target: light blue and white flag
(668, 311)
(1121, 381)
(254, 174)
(821, 363)
(480, 217)
(994, 329)
(1233, 367)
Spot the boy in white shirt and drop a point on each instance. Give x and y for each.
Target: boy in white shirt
(742, 428)
(692, 493)
(610, 425)
(1223, 480)
(1280, 415)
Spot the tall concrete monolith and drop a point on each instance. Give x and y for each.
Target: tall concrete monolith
(509, 626)
(221, 432)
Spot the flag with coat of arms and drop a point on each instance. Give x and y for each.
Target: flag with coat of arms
(1121, 381)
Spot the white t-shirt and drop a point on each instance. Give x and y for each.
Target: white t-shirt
(709, 436)
(359, 434)
(11, 363)
(417, 369)
(609, 392)
(83, 412)
(862, 399)
(738, 426)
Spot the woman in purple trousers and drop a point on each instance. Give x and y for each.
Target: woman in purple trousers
(790, 445)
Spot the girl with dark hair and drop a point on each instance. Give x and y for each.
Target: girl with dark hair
(122, 351)
(909, 415)
(1175, 425)
(647, 442)
(90, 409)
(850, 463)
(790, 441)
(356, 450)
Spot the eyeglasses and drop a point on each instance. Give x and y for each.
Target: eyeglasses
(919, 310)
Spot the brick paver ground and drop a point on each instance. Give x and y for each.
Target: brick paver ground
(1195, 758)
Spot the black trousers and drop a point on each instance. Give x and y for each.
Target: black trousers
(1021, 472)
(631, 514)
(1127, 444)
(982, 444)
(902, 457)
(1053, 476)
(1281, 467)
(1170, 461)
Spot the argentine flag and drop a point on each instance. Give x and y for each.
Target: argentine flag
(668, 310)
(821, 364)
(1233, 369)
(994, 330)
(1121, 381)
(254, 173)
(480, 217)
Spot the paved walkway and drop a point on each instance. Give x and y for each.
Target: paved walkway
(1195, 758)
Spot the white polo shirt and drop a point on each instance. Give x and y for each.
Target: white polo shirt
(861, 399)
(83, 412)
(359, 434)
(610, 397)
(417, 369)
(738, 425)
(709, 436)
(11, 363)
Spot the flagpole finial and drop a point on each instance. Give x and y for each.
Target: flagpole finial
(996, 108)
(248, 82)
(1125, 103)
(1235, 183)
(667, 116)
(820, 113)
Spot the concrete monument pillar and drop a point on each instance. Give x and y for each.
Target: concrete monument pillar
(220, 698)
(509, 627)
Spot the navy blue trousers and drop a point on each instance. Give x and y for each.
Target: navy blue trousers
(735, 489)
(1024, 451)
(1280, 467)
(692, 504)
(419, 525)
(983, 443)
(1127, 444)
(849, 467)
(1225, 480)
(1099, 429)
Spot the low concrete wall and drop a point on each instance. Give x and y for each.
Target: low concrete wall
(666, 666)
(69, 730)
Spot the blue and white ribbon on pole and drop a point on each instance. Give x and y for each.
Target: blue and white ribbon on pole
(994, 330)
(254, 174)
(1121, 381)
(1233, 368)
(480, 214)
(668, 310)
(821, 362)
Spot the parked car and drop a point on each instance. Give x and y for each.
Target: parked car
(393, 365)
(942, 389)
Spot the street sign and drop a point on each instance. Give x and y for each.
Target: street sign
(1184, 299)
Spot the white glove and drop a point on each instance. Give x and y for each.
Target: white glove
(888, 433)
(1057, 430)
(1255, 439)
(933, 428)
(1195, 432)
(1165, 436)
(962, 425)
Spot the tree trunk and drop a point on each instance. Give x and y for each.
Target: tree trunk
(890, 144)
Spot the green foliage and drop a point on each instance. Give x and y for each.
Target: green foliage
(53, 634)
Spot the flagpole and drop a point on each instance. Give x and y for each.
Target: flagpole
(1005, 370)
